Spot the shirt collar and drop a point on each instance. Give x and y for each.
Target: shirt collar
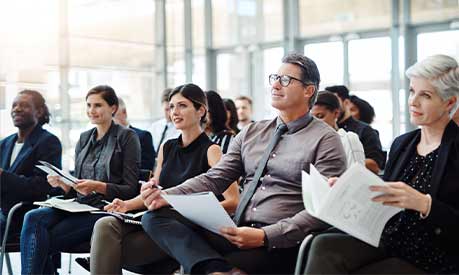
(298, 124)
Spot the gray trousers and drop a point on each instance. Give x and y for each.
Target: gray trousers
(338, 253)
(115, 244)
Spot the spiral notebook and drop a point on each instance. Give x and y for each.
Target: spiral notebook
(132, 218)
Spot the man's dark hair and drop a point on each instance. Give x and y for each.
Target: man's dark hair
(193, 93)
(341, 90)
(217, 112)
(246, 98)
(39, 103)
(328, 100)
(165, 95)
(366, 111)
(309, 71)
(107, 93)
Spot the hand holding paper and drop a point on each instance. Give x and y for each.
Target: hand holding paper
(348, 204)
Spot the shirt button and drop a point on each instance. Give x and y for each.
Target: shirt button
(437, 231)
(263, 188)
(268, 176)
(274, 246)
(274, 155)
(254, 209)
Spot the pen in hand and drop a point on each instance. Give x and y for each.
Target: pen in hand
(153, 186)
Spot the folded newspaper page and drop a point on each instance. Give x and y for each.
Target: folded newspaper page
(347, 205)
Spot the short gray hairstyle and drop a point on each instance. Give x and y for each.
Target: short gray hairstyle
(121, 103)
(442, 72)
(309, 72)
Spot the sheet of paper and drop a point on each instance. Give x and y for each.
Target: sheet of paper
(201, 208)
(69, 205)
(66, 177)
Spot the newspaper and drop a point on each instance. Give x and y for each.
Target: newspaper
(348, 205)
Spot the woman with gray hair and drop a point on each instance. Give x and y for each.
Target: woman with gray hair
(422, 178)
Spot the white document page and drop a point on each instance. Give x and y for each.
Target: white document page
(69, 205)
(201, 208)
(67, 178)
(348, 205)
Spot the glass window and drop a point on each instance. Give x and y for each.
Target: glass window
(434, 10)
(109, 20)
(319, 17)
(370, 79)
(272, 59)
(446, 42)
(232, 74)
(329, 59)
(273, 21)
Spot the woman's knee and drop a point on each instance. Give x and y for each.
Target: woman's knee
(36, 216)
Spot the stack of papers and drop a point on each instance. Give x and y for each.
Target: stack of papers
(348, 205)
(52, 170)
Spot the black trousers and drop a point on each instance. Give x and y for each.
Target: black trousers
(190, 244)
(339, 253)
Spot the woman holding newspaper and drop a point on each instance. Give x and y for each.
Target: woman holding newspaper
(107, 161)
(422, 178)
(115, 243)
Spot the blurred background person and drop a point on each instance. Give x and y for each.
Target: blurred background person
(215, 126)
(163, 129)
(375, 156)
(20, 180)
(146, 142)
(361, 109)
(244, 111)
(231, 114)
(327, 109)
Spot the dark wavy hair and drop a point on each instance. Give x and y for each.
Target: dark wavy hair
(193, 93)
(366, 111)
(233, 120)
(217, 111)
(40, 103)
(107, 93)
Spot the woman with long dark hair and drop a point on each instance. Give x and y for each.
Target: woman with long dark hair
(216, 121)
(231, 115)
(114, 243)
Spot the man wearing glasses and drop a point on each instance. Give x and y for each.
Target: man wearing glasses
(270, 155)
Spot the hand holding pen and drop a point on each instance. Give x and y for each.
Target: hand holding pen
(150, 193)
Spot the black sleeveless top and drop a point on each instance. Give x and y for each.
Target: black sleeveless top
(181, 163)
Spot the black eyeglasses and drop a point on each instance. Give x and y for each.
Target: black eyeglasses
(284, 80)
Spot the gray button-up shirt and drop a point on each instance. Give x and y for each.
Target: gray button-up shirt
(278, 200)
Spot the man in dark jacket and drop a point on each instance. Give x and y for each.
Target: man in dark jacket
(20, 180)
(146, 141)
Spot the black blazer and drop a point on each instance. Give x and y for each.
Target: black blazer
(122, 163)
(146, 147)
(22, 181)
(443, 219)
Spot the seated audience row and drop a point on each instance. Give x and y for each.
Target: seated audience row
(269, 156)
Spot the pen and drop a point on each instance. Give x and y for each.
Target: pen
(105, 201)
(153, 186)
